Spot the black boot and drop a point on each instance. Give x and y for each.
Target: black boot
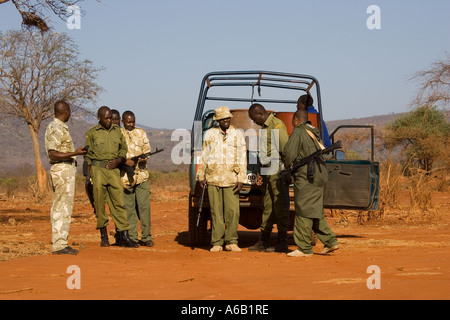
(125, 241)
(104, 237)
(118, 239)
(263, 242)
(282, 245)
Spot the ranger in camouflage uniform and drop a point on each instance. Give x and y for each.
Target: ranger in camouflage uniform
(223, 169)
(137, 195)
(61, 154)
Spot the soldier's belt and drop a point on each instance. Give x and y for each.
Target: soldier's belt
(101, 164)
(71, 162)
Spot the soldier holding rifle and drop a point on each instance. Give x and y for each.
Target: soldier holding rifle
(309, 184)
(137, 191)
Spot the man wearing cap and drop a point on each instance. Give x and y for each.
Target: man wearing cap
(223, 169)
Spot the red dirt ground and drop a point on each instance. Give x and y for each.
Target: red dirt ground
(413, 257)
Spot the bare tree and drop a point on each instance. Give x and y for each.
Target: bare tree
(34, 12)
(434, 84)
(36, 70)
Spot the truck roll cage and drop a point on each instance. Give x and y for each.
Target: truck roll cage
(259, 79)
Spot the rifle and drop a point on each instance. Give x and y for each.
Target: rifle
(89, 188)
(309, 161)
(201, 204)
(130, 170)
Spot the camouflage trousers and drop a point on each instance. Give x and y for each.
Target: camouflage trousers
(63, 182)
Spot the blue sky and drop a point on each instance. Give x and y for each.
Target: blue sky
(155, 53)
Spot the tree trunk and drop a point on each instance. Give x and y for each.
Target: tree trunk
(40, 171)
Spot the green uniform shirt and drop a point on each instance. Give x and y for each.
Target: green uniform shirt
(273, 123)
(308, 194)
(105, 145)
(270, 149)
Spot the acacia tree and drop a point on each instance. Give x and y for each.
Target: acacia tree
(36, 70)
(434, 84)
(424, 133)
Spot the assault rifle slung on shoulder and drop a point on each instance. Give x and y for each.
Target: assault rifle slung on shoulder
(310, 161)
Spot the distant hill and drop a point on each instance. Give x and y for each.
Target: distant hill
(374, 120)
(358, 140)
(17, 155)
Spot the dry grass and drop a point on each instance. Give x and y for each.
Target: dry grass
(403, 198)
(411, 196)
(162, 186)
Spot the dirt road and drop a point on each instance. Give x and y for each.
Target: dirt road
(412, 259)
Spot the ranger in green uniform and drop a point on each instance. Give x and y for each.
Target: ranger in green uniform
(308, 193)
(107, 150)
(273, 139)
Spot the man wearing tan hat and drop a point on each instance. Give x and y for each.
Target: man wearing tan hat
(223, 169)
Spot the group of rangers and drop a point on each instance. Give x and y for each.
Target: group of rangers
(222, 170)
(107, 147)
(224, 179)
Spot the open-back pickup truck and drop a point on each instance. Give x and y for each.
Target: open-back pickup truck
(353, 184)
